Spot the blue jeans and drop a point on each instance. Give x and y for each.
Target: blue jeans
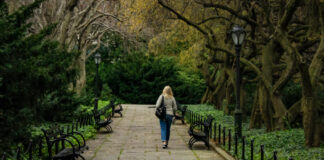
(165, 127)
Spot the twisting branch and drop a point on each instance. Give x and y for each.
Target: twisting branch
(230, 10)
(212, 18)
(247, 63)
(288, 14)
(285, 76)
(161, 2)
(98, 44)
(110, 15)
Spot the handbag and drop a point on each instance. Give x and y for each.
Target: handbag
(160, 111)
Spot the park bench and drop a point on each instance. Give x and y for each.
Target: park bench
(105, 123)
(183, 113)
(17, 154)
(55, 137)
(197, 135)
(117, 108)
(77, 136)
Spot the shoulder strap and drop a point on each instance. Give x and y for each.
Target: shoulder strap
(162, 103)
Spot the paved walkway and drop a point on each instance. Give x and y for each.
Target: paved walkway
(136, 136)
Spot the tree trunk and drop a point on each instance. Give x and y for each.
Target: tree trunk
(81, 81)
(265, 108)
(204, 99)
(256, 118)
(228, 98)
(280, 112)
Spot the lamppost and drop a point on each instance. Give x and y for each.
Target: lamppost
(97, 58)
(238, 35)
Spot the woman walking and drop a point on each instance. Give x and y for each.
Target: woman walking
(171, 106)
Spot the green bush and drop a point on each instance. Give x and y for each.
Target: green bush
(140, 78)
(288, 143)
(34, 78)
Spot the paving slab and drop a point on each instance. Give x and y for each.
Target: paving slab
(136, 136)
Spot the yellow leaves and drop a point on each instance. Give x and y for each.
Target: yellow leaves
(137, 12)
(190, 58)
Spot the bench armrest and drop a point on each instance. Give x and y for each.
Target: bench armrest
(75, 138)
(63, 139)
(192, 126)
(83, 139)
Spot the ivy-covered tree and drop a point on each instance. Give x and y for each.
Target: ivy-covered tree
(35, 75)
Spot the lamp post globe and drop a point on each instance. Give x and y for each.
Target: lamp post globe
(97, 58)
(238, 36)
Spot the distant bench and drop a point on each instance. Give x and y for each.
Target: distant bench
(117, 108)
(183, 113)
(104, 123)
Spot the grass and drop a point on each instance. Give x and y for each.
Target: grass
(287, 143)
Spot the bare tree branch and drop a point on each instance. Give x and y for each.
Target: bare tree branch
(161, 2)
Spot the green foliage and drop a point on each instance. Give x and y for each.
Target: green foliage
(139, 78)
(291, 93)
(34, 77)
(288, 143)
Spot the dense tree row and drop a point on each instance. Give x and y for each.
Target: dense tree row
(284, 44)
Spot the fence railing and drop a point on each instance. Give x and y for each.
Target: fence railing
(223, 138)
(35, 147)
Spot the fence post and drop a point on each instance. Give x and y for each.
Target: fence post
(252, 149)
(18, 154)
(229, 139)
(215, 131)
(4, 156)
(56, 146)
(40, 146)
(262, 152)
(196, 119)
(211, 130)
(201, 121)
(236, 139)
(224, 131)
(275, 155)
(62, 143)
(81, 122)
(30, 150)
(76, 125)
(219, 134)
(189, 116)
(243, 147)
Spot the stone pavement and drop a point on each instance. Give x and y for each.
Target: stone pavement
(136, 136)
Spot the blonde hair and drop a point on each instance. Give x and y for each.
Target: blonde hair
(167, 92)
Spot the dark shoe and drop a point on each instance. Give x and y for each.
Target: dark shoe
(165, 146)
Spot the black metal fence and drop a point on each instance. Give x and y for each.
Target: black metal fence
(36, 148)
(224, 138)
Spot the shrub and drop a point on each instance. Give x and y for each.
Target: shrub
(34, 78)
